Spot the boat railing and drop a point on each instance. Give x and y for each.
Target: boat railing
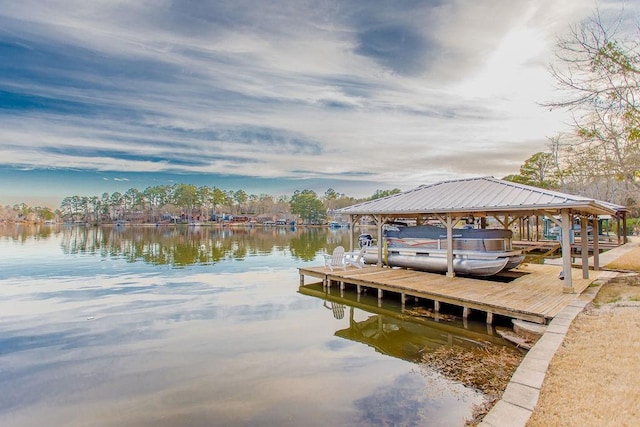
(481, 244)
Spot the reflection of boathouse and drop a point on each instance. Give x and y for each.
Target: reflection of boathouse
(400, 338)
(396, 334)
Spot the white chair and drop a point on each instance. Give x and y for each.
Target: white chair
(355, 259)
(336, 259)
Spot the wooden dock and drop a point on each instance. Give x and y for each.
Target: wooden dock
(535, 292)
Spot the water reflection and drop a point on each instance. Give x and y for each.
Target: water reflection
(180, 246)
(390, 331)
(23, 232)
(95, 330)
(385, 328)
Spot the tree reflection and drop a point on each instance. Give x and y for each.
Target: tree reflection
(181, 246)
(23, 232)
(306, 245)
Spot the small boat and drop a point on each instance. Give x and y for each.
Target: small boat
(365, 239)
(478, 252)
(336, 224)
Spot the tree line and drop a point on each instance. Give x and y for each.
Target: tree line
(187, 202)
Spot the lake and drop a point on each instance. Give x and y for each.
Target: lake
(207, 326)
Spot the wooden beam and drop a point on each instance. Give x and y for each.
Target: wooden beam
(449, 222)
(352, 226)
(450, 272)
(553, 219)
(596, 243)
(506, 223)
(584, 246)
(378, 219)
(567, 226)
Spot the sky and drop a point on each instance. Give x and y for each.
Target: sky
(274, 96)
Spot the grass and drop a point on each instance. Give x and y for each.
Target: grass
(602, 301)
(627, 262)
(593, 378)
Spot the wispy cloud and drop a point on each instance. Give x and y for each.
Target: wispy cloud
(378, 93)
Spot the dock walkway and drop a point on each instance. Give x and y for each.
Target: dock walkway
(535, 294)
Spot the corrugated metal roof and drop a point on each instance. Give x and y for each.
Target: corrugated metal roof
(485, 194)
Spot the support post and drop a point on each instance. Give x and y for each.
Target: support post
(379, 294)
(436, 306)
(358, 289)
(489, 318)
(465, 312)
(584, 246)
(449, 221)
(596, 244)
(352, 221)
(450, 272)
(567, 226)
(378, 219)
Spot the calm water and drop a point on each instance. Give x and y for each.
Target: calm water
(199, 326)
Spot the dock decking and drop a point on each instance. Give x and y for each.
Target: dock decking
(535, 294)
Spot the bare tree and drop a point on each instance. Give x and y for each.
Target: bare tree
(599, 77)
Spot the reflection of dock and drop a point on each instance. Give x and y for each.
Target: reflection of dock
(532, 292)
(396, 334)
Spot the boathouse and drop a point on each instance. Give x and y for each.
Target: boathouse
(534, 293)
(477, 199)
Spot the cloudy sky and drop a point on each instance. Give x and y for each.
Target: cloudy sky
(273, 96)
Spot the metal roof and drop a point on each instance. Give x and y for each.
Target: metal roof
(484, 194)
